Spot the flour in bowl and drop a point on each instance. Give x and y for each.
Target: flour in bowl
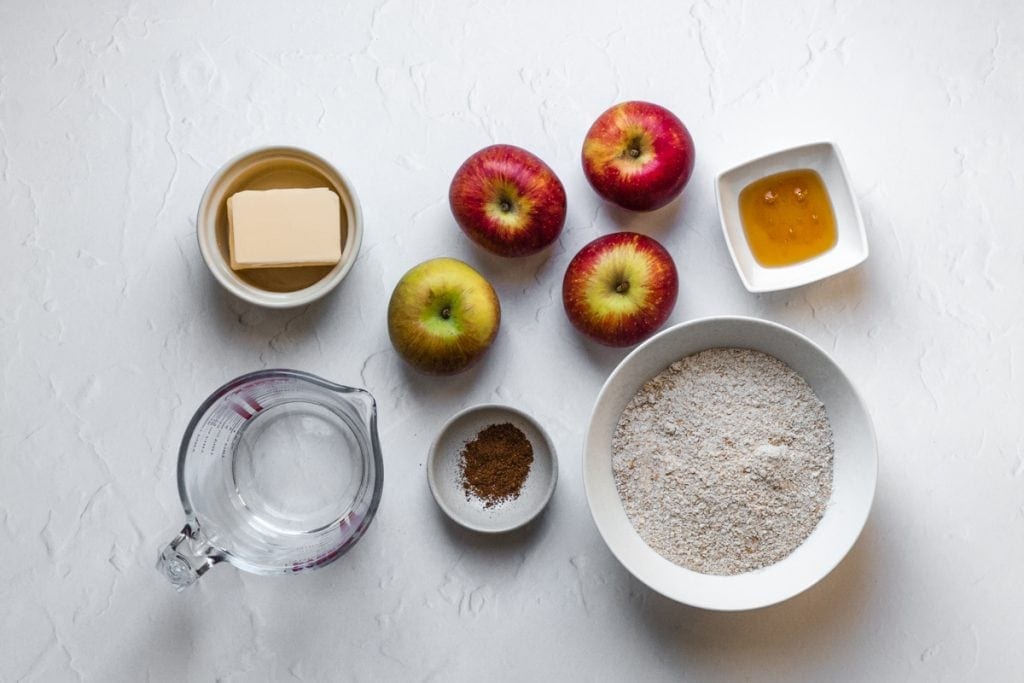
(723, 461)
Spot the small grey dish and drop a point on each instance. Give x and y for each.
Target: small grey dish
(444, 473)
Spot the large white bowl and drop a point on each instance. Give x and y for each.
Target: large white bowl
(853, 487)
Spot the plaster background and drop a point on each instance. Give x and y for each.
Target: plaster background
(113, 115)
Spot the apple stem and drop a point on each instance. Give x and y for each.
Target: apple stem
(634, 152)
(622, 287)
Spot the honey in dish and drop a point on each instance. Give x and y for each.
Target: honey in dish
(787, 217)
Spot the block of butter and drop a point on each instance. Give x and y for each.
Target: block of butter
(284, 228)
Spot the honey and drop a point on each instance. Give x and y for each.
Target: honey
(787, 217)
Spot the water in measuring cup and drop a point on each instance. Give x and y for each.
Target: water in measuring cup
(296, 468)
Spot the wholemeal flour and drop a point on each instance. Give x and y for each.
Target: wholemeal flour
(723, 461)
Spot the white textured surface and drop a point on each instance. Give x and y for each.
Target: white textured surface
(113, 116)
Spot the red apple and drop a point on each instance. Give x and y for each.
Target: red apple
(508, 201)
(620, 288)
(638, 155)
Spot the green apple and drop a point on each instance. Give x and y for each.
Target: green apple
(443, 316)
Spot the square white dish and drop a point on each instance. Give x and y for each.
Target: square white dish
(851, 246)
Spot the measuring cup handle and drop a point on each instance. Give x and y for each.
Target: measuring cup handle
(183, 563)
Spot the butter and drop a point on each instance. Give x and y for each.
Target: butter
(284, 228)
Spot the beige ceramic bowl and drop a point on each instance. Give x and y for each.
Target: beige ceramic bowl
(268, 168)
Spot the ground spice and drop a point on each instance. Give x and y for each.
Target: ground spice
(496, 463)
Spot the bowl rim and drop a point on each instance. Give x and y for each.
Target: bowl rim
(219, 267)
(601, 524)
(452, 514)
(853, 262)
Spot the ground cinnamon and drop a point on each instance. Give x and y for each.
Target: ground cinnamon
(496, 463)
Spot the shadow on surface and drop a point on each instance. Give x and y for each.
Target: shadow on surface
(169, 622)
(604, 357)
(232, 317)
(654, 224)
(495, 546)
(805, 631)
(421, 387)
(841, 291)
(518, 272)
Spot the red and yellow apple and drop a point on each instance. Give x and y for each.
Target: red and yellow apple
(620, 288)
(508, 201)
(638, 155)
(443, 316)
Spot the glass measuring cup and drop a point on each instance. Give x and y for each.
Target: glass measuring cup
(279, 471)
